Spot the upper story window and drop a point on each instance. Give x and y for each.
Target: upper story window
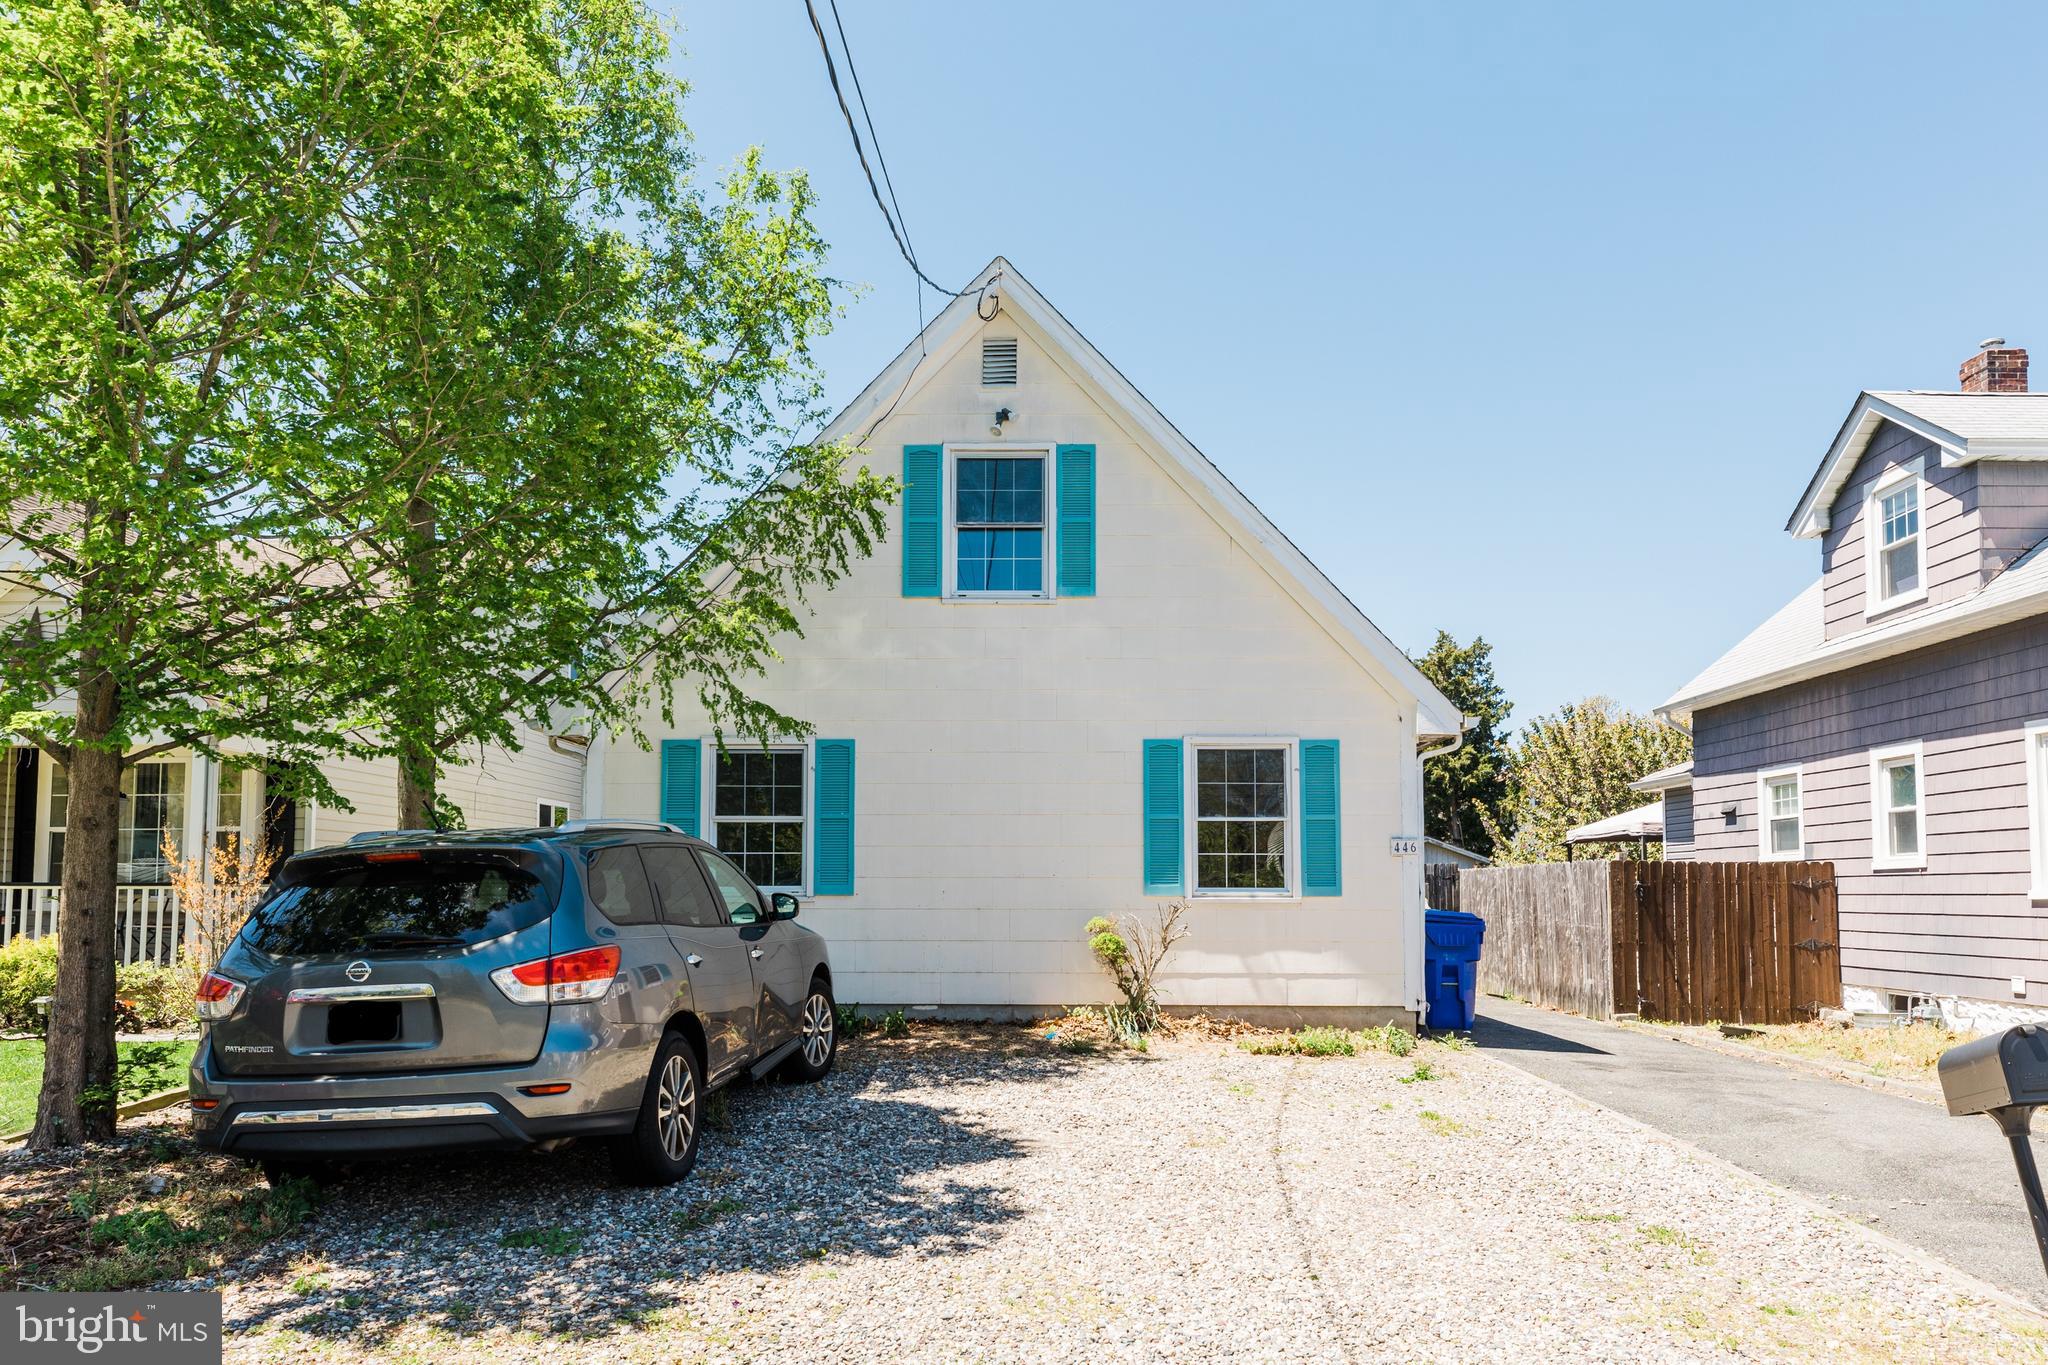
(1896, 569)
(998, 531)
(1781, 825)
(1897, 805)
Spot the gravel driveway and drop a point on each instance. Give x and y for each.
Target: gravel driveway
(982, 1195)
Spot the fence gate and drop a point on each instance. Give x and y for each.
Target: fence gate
(1752, 943)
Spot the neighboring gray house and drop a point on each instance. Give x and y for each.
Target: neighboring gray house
(1893, 717)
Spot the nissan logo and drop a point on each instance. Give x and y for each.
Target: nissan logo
(357, 971)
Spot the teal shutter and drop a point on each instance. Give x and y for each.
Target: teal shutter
(921, 520)
(1077, 521)
(1164, 813)
(1322, 847)
(682, 788)
(832, 818)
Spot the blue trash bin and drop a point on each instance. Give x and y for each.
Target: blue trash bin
(1450, 959)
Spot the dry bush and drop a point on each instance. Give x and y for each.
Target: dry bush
(1131, 952)
(216, 895)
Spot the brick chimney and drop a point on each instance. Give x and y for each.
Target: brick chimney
(1996, 368)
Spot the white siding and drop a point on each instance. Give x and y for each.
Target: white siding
(495, 789)
(997, 793)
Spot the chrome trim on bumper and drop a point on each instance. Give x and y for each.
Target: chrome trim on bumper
(373, 1113)
(324, 995)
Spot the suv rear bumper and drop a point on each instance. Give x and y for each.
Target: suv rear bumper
(389, 1115)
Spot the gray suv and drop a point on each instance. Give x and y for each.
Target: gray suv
(504, 988)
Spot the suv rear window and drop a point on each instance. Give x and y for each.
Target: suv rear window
(391, 902)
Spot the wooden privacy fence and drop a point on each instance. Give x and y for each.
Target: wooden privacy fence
(1548, 936)
(1752, 943)
(1440, 884)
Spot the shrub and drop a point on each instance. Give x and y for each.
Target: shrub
(895, 1024)
(28, 969)
(1132, 953)
(161, 996)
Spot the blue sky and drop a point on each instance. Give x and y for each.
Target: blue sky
(1524, 323)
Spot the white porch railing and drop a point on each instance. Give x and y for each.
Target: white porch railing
(148, 925)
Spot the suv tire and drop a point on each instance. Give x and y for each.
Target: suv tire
(662, 1147)
(817, 1037)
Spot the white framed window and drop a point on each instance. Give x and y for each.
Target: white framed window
(1243, 827)
(552, 814)
(1898, 803)
(152, 812)
(237, 824)
(1894, 550)
(1781, 818)
(998, 540)
(2036, 739)
(760, 811)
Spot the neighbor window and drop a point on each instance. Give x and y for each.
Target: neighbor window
(230, 839)
(757, 811)
(152, 812)
(1898, 835)
(1895, 541)
(1781, 824)
(999, 524)
(2037, 805)
(552, 815)
(1241, 818)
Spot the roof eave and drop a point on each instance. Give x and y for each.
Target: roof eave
(1811, 517)
(1879, 646)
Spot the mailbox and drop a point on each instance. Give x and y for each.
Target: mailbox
(1991, 1073)
(2005, 1076)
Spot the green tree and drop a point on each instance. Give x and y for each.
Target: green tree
(185, 192)
(1575, 767)
(1465, 792)
(565, 452)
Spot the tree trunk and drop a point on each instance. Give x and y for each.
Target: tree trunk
(79, 1081)
(419, 766)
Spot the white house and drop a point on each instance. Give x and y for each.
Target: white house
(1084, 676)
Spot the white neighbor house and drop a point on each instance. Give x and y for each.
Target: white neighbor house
(1083, 676)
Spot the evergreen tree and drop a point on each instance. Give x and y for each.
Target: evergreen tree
(1465, 793)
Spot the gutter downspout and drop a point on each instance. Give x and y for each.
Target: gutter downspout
(1418, 995)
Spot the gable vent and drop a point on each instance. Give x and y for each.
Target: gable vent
(998, 361)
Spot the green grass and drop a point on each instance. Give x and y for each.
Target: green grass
(554, 1241)
(145, 1069)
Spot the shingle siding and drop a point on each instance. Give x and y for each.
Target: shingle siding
(1678, 824)
(1966, 924)
(1952, 557)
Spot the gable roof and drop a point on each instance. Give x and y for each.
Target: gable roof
(1790, 647)
(1310, 588)
(1964, 426)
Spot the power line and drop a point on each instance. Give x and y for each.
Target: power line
(832, 70)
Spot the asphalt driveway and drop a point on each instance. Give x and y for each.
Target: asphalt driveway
(1945, 1185)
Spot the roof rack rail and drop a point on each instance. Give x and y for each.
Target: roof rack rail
(370, 834)
(583, 826)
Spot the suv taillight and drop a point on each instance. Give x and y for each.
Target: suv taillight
(562, 979)
(218, 995)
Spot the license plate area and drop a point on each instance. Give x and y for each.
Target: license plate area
(360, 1022)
